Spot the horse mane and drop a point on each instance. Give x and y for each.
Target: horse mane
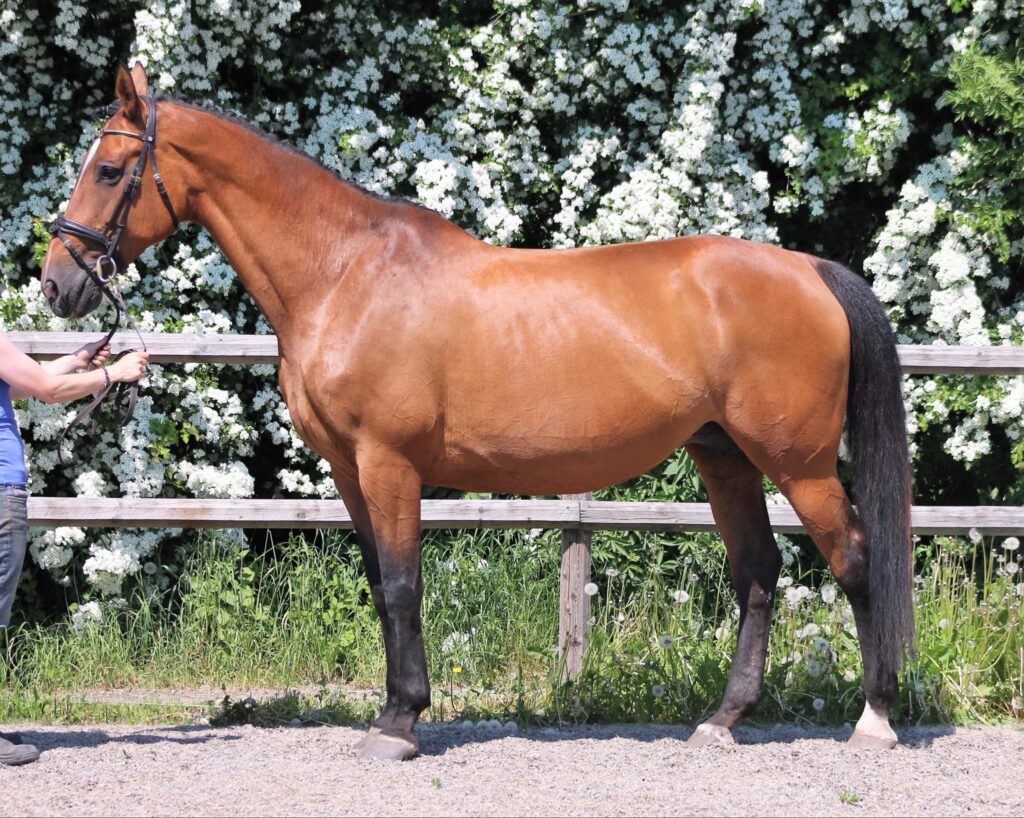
(112, 108)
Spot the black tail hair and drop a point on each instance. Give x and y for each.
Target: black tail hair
(881, 464)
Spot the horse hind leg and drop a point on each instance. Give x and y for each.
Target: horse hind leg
(825, 510)
(738, 505)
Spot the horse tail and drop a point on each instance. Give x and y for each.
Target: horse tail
(881, 464)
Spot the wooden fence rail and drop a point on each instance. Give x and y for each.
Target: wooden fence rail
(167, 348)
(575, 515)
(566, 514)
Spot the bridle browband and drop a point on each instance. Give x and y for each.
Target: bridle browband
(110, 262)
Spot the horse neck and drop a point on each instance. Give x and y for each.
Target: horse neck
(288, 226)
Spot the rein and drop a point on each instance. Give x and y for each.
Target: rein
(123, 395)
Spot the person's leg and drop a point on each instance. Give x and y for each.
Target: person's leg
(13, 538)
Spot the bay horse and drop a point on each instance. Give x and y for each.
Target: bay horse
(412, 353)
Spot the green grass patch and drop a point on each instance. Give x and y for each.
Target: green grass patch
(662, 635)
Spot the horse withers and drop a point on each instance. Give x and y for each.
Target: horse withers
(412, 353)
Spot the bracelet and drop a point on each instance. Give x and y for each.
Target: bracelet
(106, 376)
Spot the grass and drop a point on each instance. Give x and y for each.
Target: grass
(662, 636)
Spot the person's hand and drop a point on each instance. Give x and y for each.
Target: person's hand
(92, 356)
(129, 368)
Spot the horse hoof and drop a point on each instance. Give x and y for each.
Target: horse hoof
(381, 746)
(373, 731)
(707, 735)
(867, 741)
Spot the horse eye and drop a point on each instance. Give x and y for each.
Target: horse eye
(110, 173)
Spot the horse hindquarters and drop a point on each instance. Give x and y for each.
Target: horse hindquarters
(791, 432)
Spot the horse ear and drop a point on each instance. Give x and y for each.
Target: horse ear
(140, 79)
(131, 105)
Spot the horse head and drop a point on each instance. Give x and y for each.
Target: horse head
(119, 205)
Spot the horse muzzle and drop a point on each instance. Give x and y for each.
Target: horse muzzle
(77, 296)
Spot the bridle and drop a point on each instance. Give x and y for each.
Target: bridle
(110, 262)
(109, 240)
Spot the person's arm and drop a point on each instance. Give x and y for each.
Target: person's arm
(27, 378)
(88, 356)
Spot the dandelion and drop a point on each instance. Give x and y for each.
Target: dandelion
(975, 536)
(796, 595)
(457, 669)
(818, 705)
(1011, 544)
(849, 675)
(681, 597)
(722, 631)
(828, 594)
(590, 589)
(1010, 569)
(1019, 588)
(658, 691)
(814, 668)
(666, 641)
(808, 630)
(821, 645)
(784, 582)
(149, 568)
(612, 573)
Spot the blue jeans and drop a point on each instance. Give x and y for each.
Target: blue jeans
(13, 536)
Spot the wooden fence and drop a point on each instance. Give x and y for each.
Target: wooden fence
(575, 515)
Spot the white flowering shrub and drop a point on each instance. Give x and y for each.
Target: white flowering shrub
(823, 127)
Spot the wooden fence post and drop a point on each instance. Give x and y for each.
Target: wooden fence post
(574, 604)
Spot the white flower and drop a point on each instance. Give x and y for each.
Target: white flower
(590, 589)
(975, 536)
(681, 597)
(1011, 544)
(828, 594)
(87, 614)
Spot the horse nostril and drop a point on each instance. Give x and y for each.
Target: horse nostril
(50, 289)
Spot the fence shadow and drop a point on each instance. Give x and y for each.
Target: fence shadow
(54, 738)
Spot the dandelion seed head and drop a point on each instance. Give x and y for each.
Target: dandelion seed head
(658, 691)
(828, 594)
(681, 597)
(666, 641)
(1011, 544)
(818, 705)
(974, 535)
(590, 589)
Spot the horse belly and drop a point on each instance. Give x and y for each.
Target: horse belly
(551, 428)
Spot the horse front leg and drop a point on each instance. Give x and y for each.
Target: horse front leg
(386, 502)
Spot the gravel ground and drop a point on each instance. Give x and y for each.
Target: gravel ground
(618, 770)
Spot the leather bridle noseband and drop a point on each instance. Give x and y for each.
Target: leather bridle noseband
(110, 262)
